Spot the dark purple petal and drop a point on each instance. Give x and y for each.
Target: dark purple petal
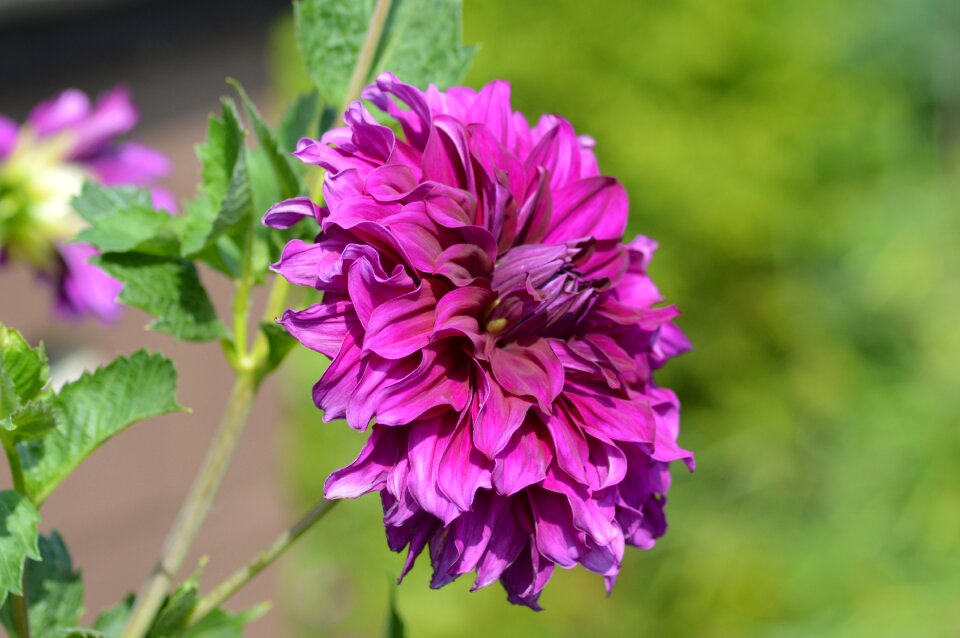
(529, 370)
(290, 211)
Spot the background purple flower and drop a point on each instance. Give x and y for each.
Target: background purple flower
(43, 164)
(481, 309)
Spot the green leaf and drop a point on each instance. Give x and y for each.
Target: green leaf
(168, 288)
(330, 34)
(18, 540)
(31, 421)
(282, 163)
(96, 201)
(125, 220)
(223, 624)
(111, 621)
(279, 344)
(224, 200)
(54, 591)
(172, 619)
(421, 42)
(23, 370)
(96, 407)
(79, 632)
(395, 627)
(298, 121)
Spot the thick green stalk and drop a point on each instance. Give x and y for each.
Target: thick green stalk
(361, 71)
(195, 509)
(21, 619)
(236, 581)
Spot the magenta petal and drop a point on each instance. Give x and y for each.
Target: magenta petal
(66, 109)
(333, 391)
(441, 380)
(463, 469)
(556, 537)
(9, 131)
(369, 290)
(526, 578)
(588, 516)
(499, 417)
(369, 471)
(290, 211)
(321, 327)
(532, 370)
(402, 325)
(130, 163)
(506, 542)
(571, 447)
(594, 207)
(428, 441)
(522, 462)
(84, 288)
(459, 310)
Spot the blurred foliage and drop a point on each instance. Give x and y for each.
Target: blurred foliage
(797, 161)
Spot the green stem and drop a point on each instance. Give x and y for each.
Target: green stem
(241, 306)
(21, 619)
(361, 71)
(236, 581)
(195, 508)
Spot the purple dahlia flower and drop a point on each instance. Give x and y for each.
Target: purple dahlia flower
(481, 310)
(43, 164)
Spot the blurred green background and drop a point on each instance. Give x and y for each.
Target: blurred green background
(797, 161)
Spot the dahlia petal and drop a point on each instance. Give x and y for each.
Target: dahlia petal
(526, 578)
(390, 182)
(333, 391)
(522, 462)
(322, 326)
(498, 164)
(402, 325)
(415, 532)
(114, 114)
(369, 471)
(9, 132)
(529, 370)
(608, 463)
(499, 417)
(300, 262)
(593, 207)
(416, 122)
(446, 156)
(670, 342)
(84, 288)
(556, 538)
(458, 313)
(569, 443)
(463, 469)
(532, 265)
(368, 290)
(290, 211)
(376, 372)
(557, 151)
(612, 416)
(463, 264)
(492, 109)
(130, 163)
(462, 546)
(428, 441)
(370, 137)
(506, 542)
(441, 380)
(341, 187)
(63, 110)
(535, 215)
(666, 408)
(587, 514)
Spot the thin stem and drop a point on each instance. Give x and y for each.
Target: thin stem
(241, 305)
(195, 508)
(21, 619)
(236, 581)
(365, 60)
